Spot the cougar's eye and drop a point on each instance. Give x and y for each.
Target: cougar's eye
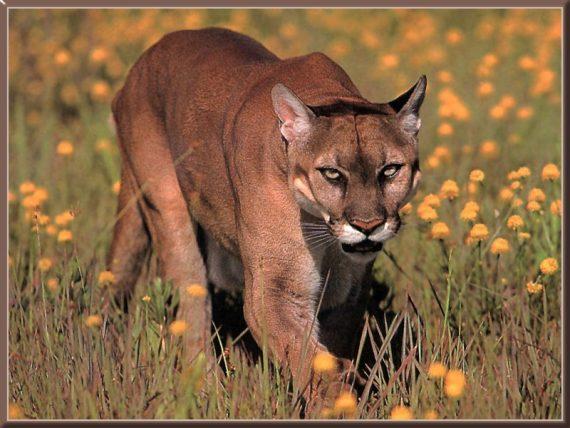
(390, 171)
(331, 174)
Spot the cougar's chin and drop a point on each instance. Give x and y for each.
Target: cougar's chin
(366, 246)
(362, 252)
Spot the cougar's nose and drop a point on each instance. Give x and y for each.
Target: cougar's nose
(367, 226)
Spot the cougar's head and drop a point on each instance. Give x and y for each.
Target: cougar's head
(352, 169)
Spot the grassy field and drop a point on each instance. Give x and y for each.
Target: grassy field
(474, 282)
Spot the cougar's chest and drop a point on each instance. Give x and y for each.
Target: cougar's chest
(341, 278)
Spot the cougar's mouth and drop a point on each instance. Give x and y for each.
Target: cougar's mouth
(366, 246)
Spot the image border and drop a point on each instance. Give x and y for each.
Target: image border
(7, 5)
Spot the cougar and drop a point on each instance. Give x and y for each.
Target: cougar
(292, 178)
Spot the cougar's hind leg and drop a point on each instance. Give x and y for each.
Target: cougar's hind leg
(131, 241)
(164, 208)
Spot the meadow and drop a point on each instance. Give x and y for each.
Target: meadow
(473, 280)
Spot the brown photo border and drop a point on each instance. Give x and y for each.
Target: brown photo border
(5, 5)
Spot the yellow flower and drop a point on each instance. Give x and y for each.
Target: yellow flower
(526, 62)
(430, 414)
(549, 266)
(64, 218)
(524, 235)
(515, 185)
(485, 88)
(27, 187)
(507, 101)
(42, 219)
(454, 383)
(449, 189)
(513, 175)
(93, 321)
(15, 412)
(476, 175)
(497, 112)
(401, 413)
(51, 230)
(523, 172)
(426, 213)
(37, 198)
(537, 195)
(368, 39)
(99, 54)
(454, 36)
(517, 202)
(479, 232)
(525, 112)
(543, 83)
(44, 264)
(490, 60)
(146, 298)
(443, 153)
(64, 236)
(468, 214)
(445, 129)
(62, 57)
(345, 403)
(116, 187)
(406, 209)
(106, 277)
(444, 76)
(472, 205)
(389, 61)
(64, 148)
(556, 207)
(177, 328)
(197, 290)
(533, 206)
(534, 287)
(489, 149)
(30, 202)
(433, 162)
(432, 200)
(436, 370)
(440, 230)
(514, 222)
(100, 90)
(500, 246)
(52, 284)
(550, 172)
(324, 362)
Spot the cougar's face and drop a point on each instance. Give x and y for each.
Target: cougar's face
(352, 172)
(354, 175)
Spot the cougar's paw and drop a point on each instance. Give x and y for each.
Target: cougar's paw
(334, 399)
(349, 374)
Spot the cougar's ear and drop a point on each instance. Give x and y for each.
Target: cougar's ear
(295, 117)
(407, 106)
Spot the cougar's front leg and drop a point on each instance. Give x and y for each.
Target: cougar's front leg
(281, 293)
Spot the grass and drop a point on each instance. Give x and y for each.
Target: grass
(448, 301)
